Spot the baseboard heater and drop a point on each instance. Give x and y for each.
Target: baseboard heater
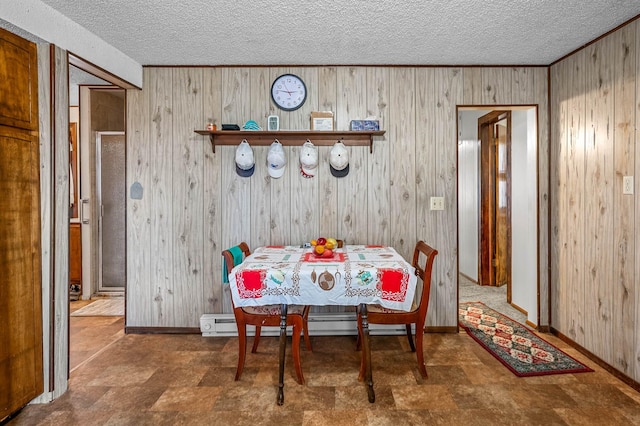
(320, 324)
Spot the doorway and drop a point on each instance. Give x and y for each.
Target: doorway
(494, 226)
(102, 112)
(521, 256)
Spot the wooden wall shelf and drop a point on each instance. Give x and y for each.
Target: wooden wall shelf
(292, 137)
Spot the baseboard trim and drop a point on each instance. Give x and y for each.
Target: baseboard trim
(161, 330)
(433, 329)
(617, 373)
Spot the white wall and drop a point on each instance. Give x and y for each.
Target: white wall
(468, 161)
(524, 212)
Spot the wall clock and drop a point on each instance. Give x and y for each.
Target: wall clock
(288, 92)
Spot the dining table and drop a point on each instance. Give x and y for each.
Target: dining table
(354, 275)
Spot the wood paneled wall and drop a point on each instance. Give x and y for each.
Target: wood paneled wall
(595, 228)
(194, 205)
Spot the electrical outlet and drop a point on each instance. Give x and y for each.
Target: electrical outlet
(437, 203)
(627, 185)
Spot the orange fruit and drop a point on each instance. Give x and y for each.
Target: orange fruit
(314, 242)
(329, 245)
(319, 249)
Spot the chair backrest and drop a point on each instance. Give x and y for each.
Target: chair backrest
(228, 256)
(424, 273)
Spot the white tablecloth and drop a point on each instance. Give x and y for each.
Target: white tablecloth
(355, 274)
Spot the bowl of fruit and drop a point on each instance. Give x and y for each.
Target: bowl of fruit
(323, 247)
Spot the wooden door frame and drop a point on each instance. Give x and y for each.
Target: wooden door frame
(487, 217)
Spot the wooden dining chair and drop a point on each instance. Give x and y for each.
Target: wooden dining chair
(266, 316)
(376, 314)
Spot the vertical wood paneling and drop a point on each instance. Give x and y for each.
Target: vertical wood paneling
(448, 94)
(46, 188)
(61, 218)
(212, 205)
(426, 145)
(378, 219)
(496, 86)
(402, 135)
(541, 98)
(327, 184)
(352, 189)
(280, 213)
(161, 109)
(139, 288)
(635, 296)
(188, 196)
(623, 43)
(260, 184)
(236, 220)
(595, 249)
(599, 207)
(574, 199)
(522, 85)
(305, 210)
(556, 147)
(472, 91)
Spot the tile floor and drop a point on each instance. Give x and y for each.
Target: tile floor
(135, 379)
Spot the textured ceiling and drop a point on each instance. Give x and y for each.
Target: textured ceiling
(323, 32)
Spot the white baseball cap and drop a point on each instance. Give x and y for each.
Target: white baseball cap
(276, 160)
(339, 160)
(308, 159)
(245, 163)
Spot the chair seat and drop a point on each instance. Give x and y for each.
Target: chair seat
(273, 309)
(381, 309)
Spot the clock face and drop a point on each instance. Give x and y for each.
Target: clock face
(288, 92)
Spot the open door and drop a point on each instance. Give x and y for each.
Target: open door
(21, 370)
(494, 259)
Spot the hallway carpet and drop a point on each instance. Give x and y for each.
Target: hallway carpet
(517, 347)
(139, 379)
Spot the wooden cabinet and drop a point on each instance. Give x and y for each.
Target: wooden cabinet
(75, 257)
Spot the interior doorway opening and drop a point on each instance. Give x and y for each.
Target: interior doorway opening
(519, 226)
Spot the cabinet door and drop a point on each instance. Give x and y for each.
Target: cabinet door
(21, 374)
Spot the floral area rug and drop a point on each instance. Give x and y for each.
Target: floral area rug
(513, 344)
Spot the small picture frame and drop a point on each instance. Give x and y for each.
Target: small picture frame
(273, 123)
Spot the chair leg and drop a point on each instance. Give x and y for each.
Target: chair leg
(419, 350)
(242, 348)
(363, 367)
(359, 336)
(295, 348)
(413, 348)
(305, 330)
(256, 340)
